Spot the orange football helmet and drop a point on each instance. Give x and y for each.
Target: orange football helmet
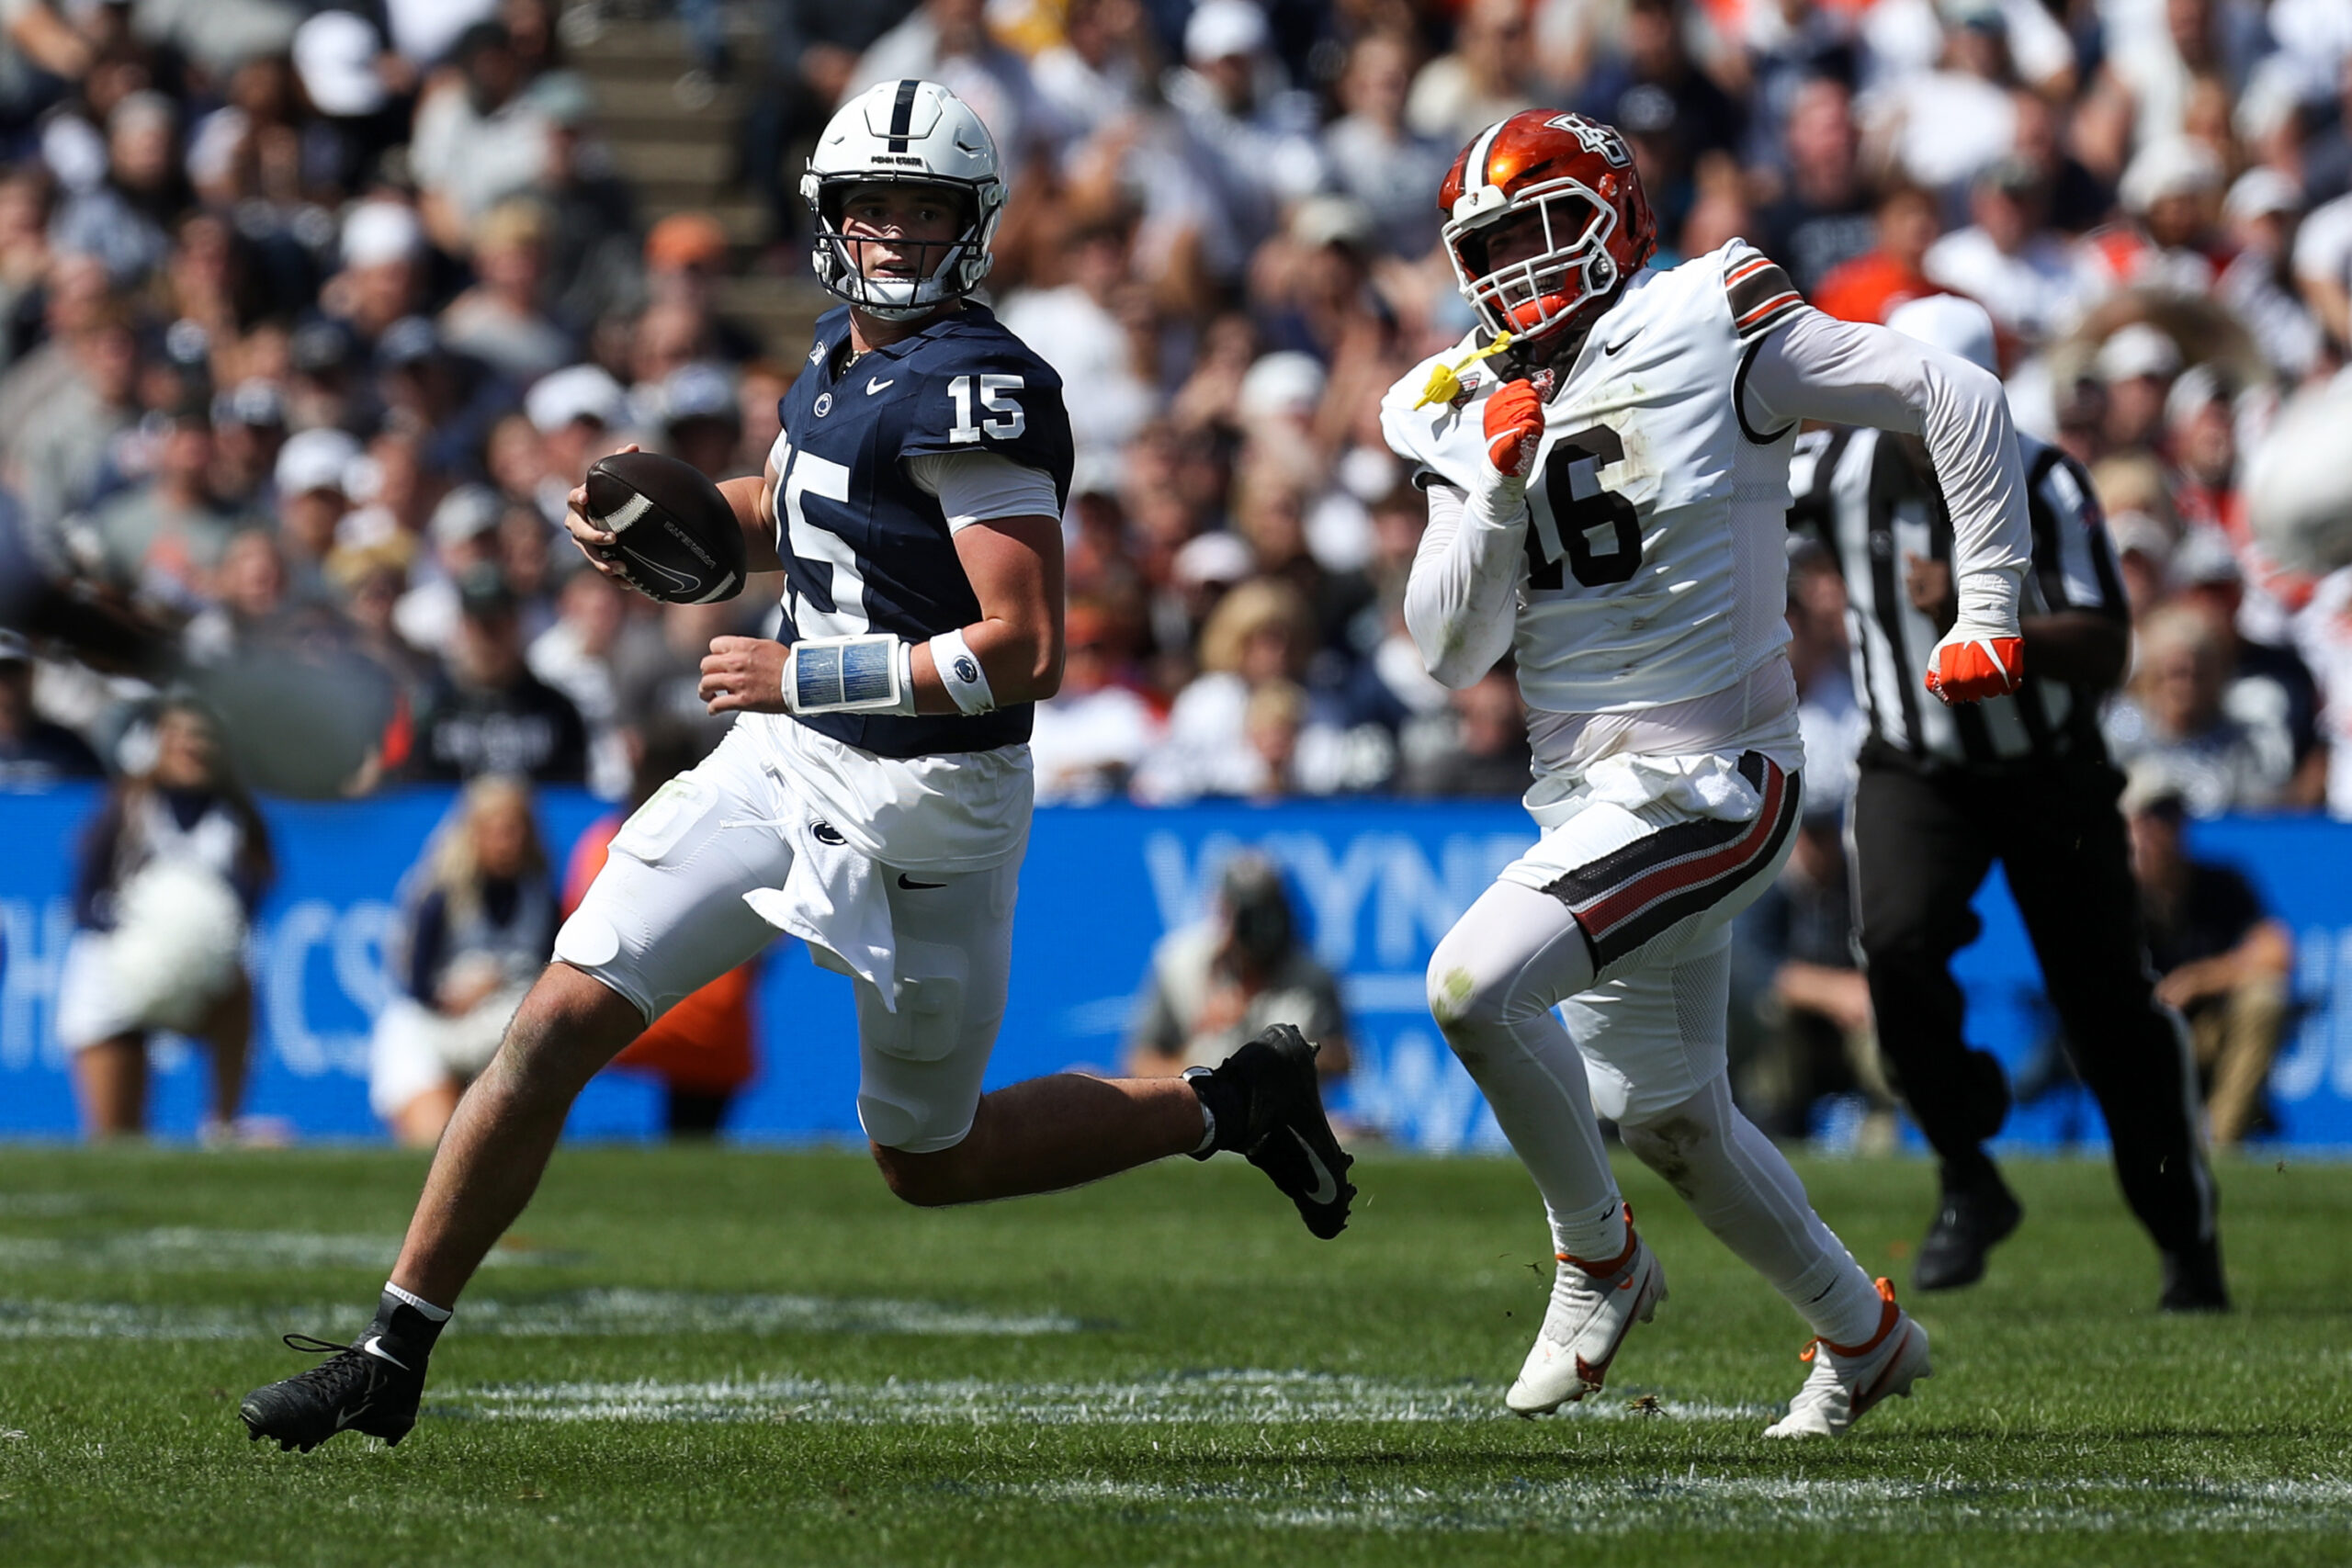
(1575, 174)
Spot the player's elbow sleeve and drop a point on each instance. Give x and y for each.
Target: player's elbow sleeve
(1444, 643)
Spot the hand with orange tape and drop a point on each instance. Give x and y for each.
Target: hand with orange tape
(1514, 430)
(1983, 653)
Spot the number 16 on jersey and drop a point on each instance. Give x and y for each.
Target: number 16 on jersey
(1574, 526)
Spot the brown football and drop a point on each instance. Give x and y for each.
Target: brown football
(679, 541)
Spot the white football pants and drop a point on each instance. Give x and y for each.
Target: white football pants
(1646, 1047)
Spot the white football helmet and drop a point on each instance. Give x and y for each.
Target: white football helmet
(905, 132)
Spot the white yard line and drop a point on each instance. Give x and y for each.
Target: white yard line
(183, 1249)
(1264, 1398)
(1630, 1504)
(587, 1314)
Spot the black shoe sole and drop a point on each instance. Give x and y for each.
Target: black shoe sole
(257, 1433)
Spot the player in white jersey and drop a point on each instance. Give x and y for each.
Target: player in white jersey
(873, 797)
(1607, 501)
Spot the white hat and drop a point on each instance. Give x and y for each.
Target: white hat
(574, 392)
(2171, 165)
(334, 54)
(2261, 192)
(316, 459)
(145, 106)
(1213, 558)
(2198, 388)
(466, 513)
(1949, 323)
(1221, 29)
(2204, 556)
(2136, 349)
(698, 391)
(2138, 531)
(379, 232)
(1332, 221)
(1287, 384)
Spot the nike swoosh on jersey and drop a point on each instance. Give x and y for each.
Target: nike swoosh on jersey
(874, 386)
(917, 886)
(1609, 348)
(1326, 1190)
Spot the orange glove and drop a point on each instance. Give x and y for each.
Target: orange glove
(1514, 429)
(1969, 665)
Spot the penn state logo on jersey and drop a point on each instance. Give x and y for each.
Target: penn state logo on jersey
(866, 549)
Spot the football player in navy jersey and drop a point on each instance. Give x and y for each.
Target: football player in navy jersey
(874, 796)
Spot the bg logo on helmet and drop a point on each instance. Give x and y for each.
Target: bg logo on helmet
(1597, 138)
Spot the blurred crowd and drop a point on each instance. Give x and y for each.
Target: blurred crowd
(309, 318)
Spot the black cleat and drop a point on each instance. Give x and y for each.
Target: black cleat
(1269, 1108)
(2193, 1281)
(1972, 1219)
(353, 1390)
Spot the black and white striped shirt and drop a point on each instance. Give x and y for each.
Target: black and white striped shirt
(1871, 498)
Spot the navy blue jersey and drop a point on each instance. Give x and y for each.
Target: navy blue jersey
(864, 549)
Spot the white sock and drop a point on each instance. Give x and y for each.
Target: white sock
(1596, 1235)
(432, 1314)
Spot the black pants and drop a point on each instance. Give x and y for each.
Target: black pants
(1923, 844)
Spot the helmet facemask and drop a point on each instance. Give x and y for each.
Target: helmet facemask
(1561, 285)
(944, 269)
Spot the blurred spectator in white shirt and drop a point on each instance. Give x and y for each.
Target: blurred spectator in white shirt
(575, 657)
(479, 139)
(382, 277)
(463, 535)
(1078, 328)
(2323, 263)
(2170, 195)
(2173, 715)
(2258, 284)
(1091, 734)
(947, 42)
(580, 413)
(1094, 72)
(1261, 633)
(125, 219)
(1376, 157)
(1489, 75)
(312, 481)
(501, 320)
(1255, 131)
(1944, 125)
(2008, 259)
(2136, 364)
(2143, 94)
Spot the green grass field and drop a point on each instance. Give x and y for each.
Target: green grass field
(723, 1356)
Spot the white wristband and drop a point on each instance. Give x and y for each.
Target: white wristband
(873, 673)
(960, 672)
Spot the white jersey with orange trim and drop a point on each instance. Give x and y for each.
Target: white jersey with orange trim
(1655, 569)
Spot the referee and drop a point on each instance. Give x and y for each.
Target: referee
(1944, 792)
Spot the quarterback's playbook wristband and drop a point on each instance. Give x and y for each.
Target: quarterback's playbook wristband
(872, 673)
(960, 672)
